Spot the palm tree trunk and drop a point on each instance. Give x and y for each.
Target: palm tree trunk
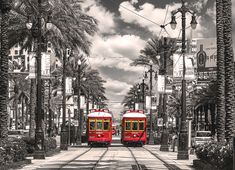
(32, 108)
(5, 8)
(229, 70)
(16, 114)
(220, 72)
(23, 114)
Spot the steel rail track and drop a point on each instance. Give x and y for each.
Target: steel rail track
(83, 153)
(138, 166)
(169, 166)
(98, 161)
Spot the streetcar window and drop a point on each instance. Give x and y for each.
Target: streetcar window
(128, 125)
(99, 125)
(134, 125)
(92, 125)
(141, 125)
(106, 125)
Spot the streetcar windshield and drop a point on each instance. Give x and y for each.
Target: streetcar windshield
(92, 125)
(99, 125)
(141, 125)
(134, 125)
(106, 125)
(128, 125)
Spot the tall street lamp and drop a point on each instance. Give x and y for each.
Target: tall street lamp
(79, 139)
(143, 94)
(151, 138)
(165, 133)
(36, 28)
(183, 136)
(64, 132)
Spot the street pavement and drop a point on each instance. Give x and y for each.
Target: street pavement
(171, 157)
(117, 157)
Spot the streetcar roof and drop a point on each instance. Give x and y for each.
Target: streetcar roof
(99, 114)
(134, 114)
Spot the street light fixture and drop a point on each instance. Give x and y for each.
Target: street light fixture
(183, 136)
(79, 117)
(36, 27)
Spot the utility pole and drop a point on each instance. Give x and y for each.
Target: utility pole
(79, 135)
(165, 133)
(151, 139)
(143, 93)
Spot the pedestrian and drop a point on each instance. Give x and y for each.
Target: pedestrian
(118, 132)
(174, 141)
(72, 135)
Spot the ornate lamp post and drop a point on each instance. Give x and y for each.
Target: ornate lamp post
(64, 132)
(151, 139)
(183, 136)
(36, 28)
(165, 133)
(79, 139)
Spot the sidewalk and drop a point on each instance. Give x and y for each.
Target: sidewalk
(171, 158)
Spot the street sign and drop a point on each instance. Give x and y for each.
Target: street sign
(178, 67)
(69, 88)
(160, 122)
(46, 64)
(161, 84)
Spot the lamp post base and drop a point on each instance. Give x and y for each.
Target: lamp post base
(183, 146)
(151, 139)
(39, 155)
(63, 140)
(164, 141)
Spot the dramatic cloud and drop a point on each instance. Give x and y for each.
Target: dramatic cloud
(199, 5)
(157, 15)
(104, 17)
(116, 51)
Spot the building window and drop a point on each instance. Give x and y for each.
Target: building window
(49, 51)
(16, 52)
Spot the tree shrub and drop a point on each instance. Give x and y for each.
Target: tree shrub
(217, 154)
(30, 144)
(12, 150)
(49, 144)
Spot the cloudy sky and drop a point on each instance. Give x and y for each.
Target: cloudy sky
(124, 28)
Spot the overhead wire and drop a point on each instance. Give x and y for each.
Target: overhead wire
(138, 15)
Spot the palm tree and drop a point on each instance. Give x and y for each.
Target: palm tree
(71, 29)
(70, 26)
(5, 8)
(229, 70)
(220, 73)
(21, 95)
(130, 99)
(154, 48)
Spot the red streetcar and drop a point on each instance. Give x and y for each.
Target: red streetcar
(99, 127)
(134, 128)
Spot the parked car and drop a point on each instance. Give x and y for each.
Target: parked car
(201, 137)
